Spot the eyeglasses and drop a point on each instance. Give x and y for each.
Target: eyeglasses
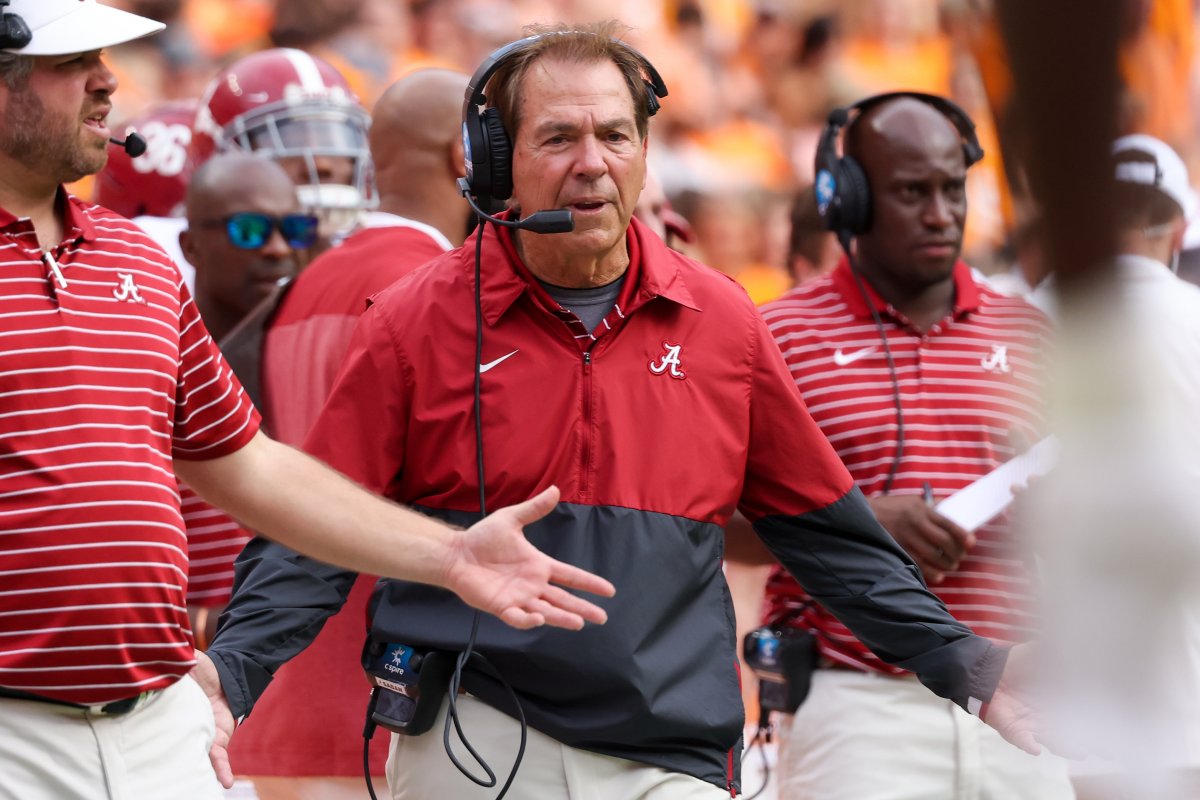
(250, 230)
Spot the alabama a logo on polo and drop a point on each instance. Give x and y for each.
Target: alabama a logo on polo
(669, 363)
(128, 290)
(997, 361)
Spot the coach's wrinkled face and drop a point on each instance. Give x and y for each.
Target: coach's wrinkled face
(577, 147)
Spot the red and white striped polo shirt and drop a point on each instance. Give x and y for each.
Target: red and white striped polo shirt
(964, 385)
(214, 541)
(106, 372)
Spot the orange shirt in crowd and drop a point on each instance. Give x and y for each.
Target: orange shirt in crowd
(227, 26)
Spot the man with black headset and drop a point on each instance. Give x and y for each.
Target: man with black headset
(922, 378)
(648, 387)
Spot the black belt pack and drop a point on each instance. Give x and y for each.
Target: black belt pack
(784, 661)
(408, 686)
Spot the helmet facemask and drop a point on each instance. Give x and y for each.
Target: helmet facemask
(324, 148)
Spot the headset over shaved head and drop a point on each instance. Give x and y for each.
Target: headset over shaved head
(842, 188)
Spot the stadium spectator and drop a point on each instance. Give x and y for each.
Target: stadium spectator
(812, 250)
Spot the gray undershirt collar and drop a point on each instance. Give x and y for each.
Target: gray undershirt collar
(591, 305)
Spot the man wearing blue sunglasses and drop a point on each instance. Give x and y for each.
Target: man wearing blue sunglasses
(246, 237)
(246, 233)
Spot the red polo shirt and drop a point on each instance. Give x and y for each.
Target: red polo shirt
(964, 384)
(106, 375)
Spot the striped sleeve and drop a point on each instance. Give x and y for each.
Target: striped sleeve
(213, 414)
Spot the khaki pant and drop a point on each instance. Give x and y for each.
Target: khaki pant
(418, 768)
(159, 751)
(866, 736)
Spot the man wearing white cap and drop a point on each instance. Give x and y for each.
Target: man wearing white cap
(109, 383)
(1154, 203)
(1155, 200)
(1118, 522)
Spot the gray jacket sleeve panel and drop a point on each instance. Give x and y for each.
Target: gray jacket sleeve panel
(280, 602)
(846, 561)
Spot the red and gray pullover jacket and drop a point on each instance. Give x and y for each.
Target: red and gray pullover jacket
(677, 410)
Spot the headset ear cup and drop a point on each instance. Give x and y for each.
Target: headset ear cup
(652, 104)
(499, 154)
(972, 152)
(476, 156)
(855, 193)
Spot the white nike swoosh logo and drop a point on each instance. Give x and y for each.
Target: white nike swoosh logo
(842, 359)
(485, 367)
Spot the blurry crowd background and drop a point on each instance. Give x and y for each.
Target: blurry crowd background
(751, 83)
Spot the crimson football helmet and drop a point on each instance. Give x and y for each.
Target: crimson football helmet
(154, 183)
(300, 111)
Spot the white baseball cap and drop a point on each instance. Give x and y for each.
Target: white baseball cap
(60, 27)
(1157, 165)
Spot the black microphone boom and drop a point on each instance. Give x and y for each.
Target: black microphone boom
(558, 220)
(133, 144)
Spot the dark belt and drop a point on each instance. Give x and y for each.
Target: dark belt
(114, 709)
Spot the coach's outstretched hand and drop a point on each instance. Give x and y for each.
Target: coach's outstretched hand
(1010, 711)
(493, 567)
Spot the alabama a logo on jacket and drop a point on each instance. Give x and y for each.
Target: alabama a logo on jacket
(669, 362)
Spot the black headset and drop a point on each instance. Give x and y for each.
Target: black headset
(488, 147)
(14, 33)
(843, 191)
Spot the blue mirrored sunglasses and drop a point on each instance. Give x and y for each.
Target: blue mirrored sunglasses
(250, 230)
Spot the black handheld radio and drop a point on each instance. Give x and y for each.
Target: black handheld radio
(408, 686)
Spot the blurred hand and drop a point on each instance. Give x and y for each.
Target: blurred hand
(933, 541)
(1010, 712)
(205, 674)
(493, 567)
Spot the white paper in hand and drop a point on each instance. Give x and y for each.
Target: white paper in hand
(991, 494)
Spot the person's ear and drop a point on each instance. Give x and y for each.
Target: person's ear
(1177, 234)
(187, 245)
(457, 156)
